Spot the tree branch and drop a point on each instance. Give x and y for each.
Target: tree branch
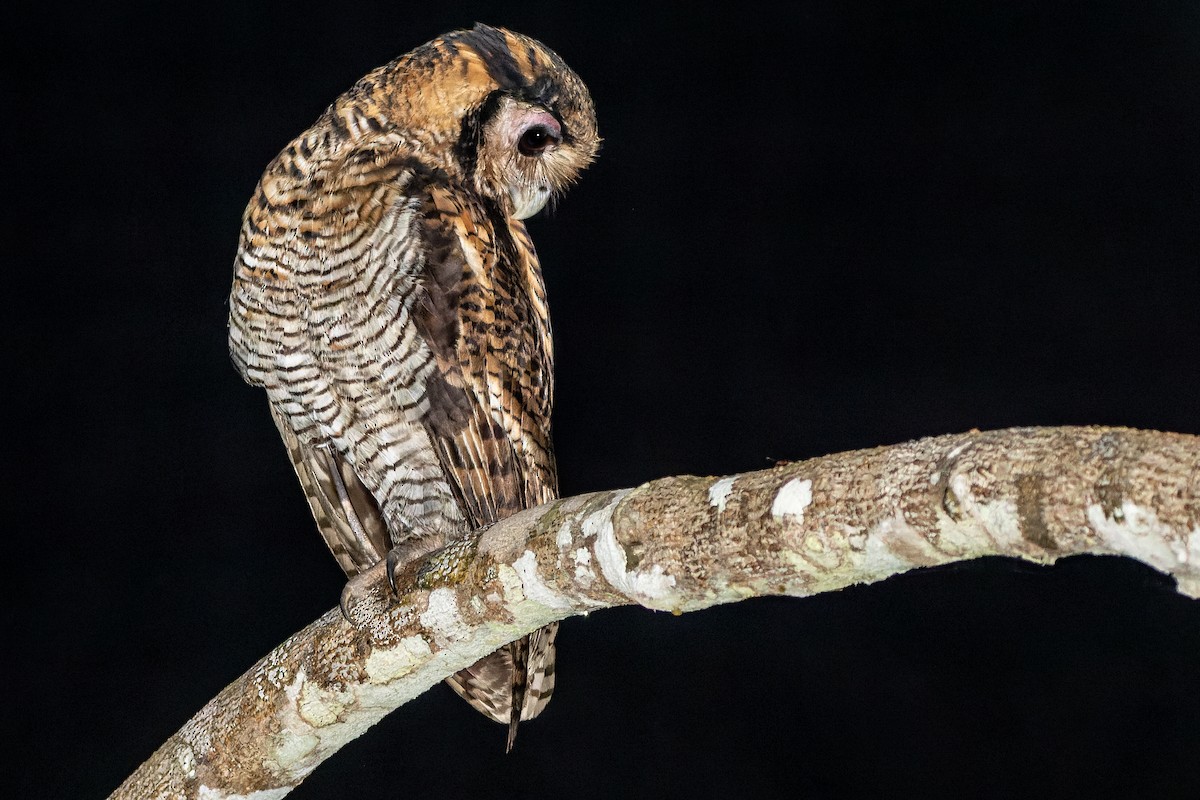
(682, 544)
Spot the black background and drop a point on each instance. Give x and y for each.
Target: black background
(811, 230)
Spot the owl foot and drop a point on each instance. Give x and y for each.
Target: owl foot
(404, 554)
(364, 594)
(362, 598)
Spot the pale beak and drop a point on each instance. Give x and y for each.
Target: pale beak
(528, 200)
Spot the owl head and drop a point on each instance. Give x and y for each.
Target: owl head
(498, 112)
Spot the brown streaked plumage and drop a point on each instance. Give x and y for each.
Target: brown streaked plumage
(388, 298)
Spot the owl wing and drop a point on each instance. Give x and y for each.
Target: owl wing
(328, 277)
(345, 511)
(484, 315)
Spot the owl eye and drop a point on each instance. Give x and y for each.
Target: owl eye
(535, 140)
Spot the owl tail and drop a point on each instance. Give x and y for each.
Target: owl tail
(519, 653)
(492, 684)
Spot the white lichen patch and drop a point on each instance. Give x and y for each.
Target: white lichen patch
(535, 588)
(791, 500)
(960, 486)
(594, 523)
(856, 537)
(512, 586)
(820, 549)
(799, 564)
(296, 740)
(385, 665)
(319, 707)
(999, 520)
(186, 758)
(563, 538)
(1003, 525)
(443, 619)
(584, 573)
(585, 576)
(718, 493)
(207, 793)
(895, 546)
(1137, 532)
(650, 587)
(1188, 579)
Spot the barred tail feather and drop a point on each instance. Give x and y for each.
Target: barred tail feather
(490, 684)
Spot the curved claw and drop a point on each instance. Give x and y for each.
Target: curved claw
(344, 603)
(360, 599)
(394, 560)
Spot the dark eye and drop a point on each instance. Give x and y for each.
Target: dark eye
(535, 140)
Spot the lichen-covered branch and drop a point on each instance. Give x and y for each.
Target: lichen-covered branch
(682, 544)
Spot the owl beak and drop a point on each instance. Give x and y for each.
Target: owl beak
(528, 200)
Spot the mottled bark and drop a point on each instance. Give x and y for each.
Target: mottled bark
(682, 544)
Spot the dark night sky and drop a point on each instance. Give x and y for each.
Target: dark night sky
(809, 231)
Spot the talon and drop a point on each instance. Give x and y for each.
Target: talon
(344, 603)
(394, 560)
(360, 600)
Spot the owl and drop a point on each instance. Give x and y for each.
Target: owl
(387, 296)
